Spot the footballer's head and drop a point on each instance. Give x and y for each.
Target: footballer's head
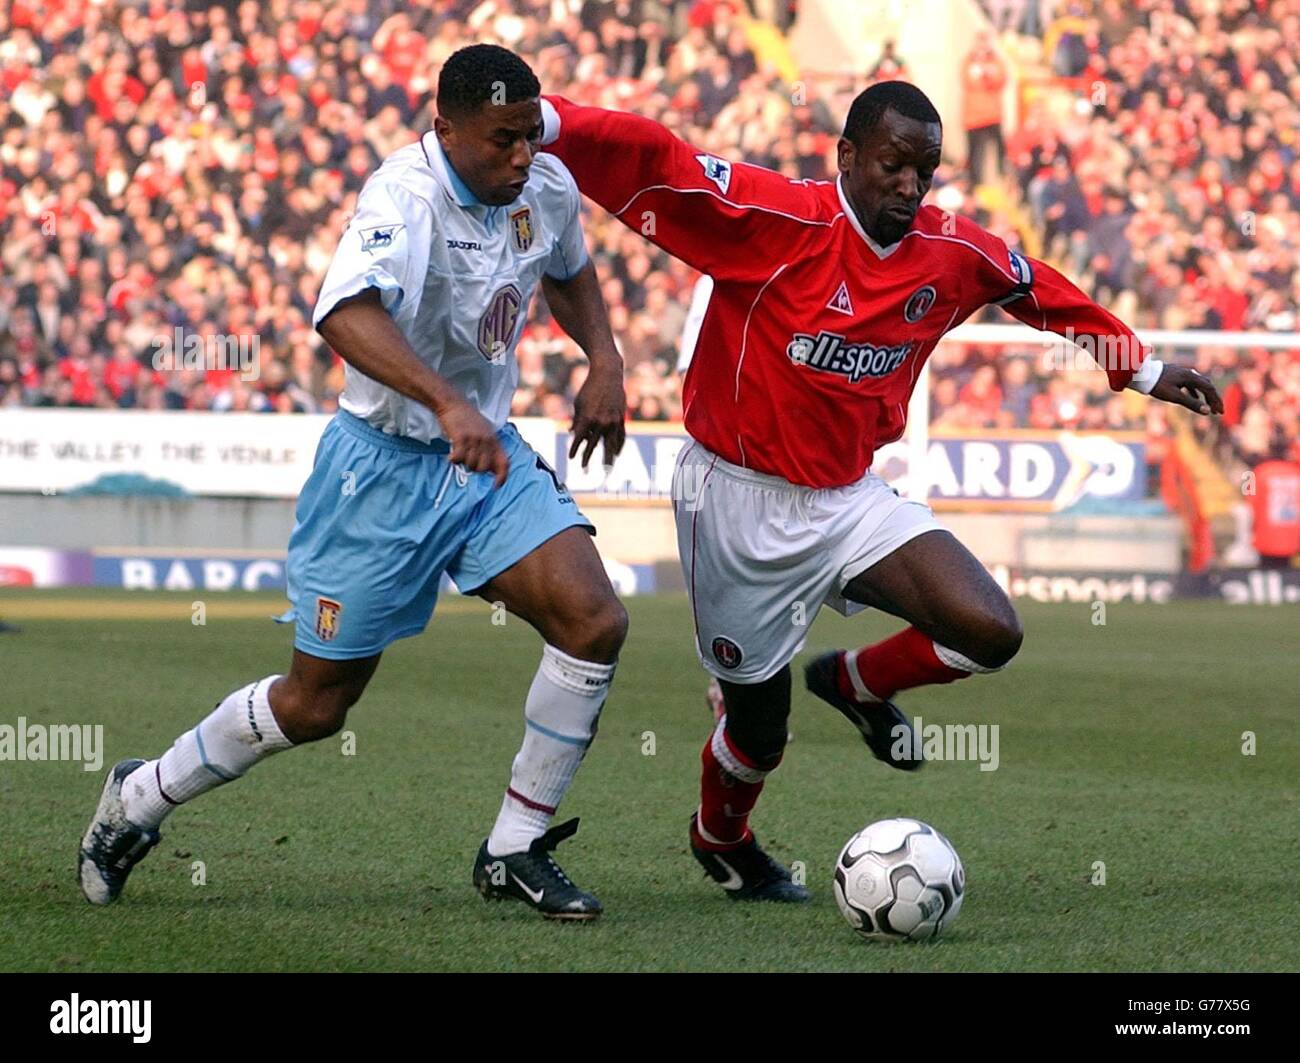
(888, 155)
(489, 120)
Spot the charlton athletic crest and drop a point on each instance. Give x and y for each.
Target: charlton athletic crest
(327, 618)
(727, 653)
(918, 305)
(521, 224)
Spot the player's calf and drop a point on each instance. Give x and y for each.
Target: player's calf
(240, 731)
(561, 715)
(746, 746)
(245, 727)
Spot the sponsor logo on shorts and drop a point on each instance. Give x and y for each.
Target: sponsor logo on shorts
(828, 352)
(727, 653)
(327, 618)
(919, 304)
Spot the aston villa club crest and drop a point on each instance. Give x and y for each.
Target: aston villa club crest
(327, 618)
(521, 227)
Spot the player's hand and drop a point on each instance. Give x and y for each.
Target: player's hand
(598, 414)
(474, 443)
(1187, 387)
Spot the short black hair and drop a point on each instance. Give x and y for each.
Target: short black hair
(872, 103)
(472, 76)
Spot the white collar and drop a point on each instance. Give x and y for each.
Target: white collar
(851, 214)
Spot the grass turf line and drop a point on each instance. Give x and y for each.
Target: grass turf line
(1119, 743)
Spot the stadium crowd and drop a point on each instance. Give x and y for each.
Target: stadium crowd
(189, 166)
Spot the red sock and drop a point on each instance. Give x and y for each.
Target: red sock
(729, 789)
(900, 662)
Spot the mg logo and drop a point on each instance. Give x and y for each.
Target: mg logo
(496, 327)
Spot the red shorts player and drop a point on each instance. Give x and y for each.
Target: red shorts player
(828, 297)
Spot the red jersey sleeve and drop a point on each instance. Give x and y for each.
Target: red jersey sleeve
(731, 220)
(1033, 292)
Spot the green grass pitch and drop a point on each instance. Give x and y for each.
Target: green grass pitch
(1120, 743)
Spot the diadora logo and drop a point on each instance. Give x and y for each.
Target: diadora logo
(464, 245)
(380, 237)
(828, 352)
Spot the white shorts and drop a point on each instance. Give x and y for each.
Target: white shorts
(762, 555)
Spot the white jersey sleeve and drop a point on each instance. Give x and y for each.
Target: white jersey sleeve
(385, 246)
(569, 254)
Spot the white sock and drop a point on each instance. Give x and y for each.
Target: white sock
(238, 733)
(561, 713)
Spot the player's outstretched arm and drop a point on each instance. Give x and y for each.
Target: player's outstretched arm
(728, 219)
(367, 338)
(1044, 298)
(601, 405)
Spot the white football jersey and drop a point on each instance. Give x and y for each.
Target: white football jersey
(457, 276)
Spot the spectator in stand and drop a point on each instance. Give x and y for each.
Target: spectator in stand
(190, 166)
(889, 66)
(983, 77)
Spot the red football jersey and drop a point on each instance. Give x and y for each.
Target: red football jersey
(814, 336)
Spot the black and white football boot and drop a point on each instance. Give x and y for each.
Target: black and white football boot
(536, 879)
(749, 874)
(884, 728)
(112, 845)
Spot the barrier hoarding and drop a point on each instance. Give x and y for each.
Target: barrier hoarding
(270, 456)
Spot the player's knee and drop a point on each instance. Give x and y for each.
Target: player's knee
(603, 632)
(760, 738)
(757, 719)
(310, 714)
(1001, 639)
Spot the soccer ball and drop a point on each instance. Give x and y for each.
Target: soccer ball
(899, 880)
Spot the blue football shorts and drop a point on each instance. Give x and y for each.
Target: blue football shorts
(383, 517)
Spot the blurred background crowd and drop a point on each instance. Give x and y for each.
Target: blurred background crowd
(171, 165)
